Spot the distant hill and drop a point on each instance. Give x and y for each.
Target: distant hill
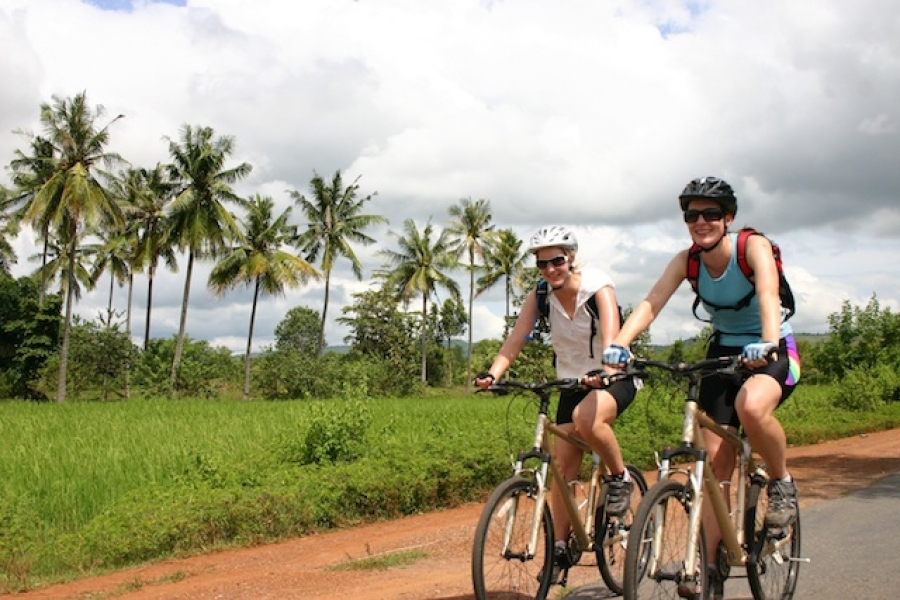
(811, 338)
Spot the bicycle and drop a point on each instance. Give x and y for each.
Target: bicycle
(666, 554)
(512, 556)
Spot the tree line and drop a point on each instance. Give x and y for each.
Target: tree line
(95, 213)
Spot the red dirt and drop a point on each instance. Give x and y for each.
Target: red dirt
(300, 568)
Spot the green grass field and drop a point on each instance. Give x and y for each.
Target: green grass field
(87, 487)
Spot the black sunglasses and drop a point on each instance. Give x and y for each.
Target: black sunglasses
(556, 261)
(709, 215)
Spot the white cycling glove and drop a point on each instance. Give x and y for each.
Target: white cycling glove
(616, 355)
(758, 350)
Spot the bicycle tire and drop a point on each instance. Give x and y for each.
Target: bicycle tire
(773, 563)
(511, 574)
(666, 505)
(611, 534)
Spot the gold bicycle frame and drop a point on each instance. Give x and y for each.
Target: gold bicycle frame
(580, 528)
(703, 480)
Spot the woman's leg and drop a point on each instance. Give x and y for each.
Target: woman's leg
(756, 404)
(593, 419)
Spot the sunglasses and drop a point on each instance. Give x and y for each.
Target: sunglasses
(556, 261)
(709, 215)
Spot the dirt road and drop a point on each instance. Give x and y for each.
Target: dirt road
(303, 568)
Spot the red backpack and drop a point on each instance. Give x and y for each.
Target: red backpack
(784, 288)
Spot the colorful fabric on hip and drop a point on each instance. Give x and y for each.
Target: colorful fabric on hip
(793, 361)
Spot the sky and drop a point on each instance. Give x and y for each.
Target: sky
(577, 112)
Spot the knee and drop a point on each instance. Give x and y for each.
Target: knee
(583, 417)
(751, 415)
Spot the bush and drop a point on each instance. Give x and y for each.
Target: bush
(867, 389)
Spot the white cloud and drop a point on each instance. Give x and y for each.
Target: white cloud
(589, 113)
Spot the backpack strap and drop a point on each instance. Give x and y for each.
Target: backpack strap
(784, 289)
(692, 275)
(743, 234)
(592, 309)
(543, 305)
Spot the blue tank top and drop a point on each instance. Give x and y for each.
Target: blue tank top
(735, 327)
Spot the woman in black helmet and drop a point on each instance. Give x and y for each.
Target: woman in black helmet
(753, 330)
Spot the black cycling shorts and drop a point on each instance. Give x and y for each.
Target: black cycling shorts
(622, 391)
(717, 394)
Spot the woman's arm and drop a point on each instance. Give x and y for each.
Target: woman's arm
(607, 314)
(649, 308)
(516, 339)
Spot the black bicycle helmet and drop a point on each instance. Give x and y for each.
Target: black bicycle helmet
(711, 188)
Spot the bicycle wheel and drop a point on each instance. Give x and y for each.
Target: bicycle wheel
(657, 546)
(611, 534)
(502, 565)
(773, 562)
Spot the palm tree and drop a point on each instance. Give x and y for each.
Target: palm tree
(198, 218)
(112, 254)
(469, 229)
(504, 258)
(7, 254)
(148, 192)
(334, 221)
(72, 200)
(30, 173)
(259, 261)
(420, 266)
(56, 264)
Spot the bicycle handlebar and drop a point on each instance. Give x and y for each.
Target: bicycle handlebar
(722, 365)
(504, 386)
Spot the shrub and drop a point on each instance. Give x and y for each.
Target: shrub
(866, 389)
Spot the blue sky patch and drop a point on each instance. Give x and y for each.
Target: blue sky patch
(127, 5)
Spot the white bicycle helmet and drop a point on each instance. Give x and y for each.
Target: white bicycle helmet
(553, 236)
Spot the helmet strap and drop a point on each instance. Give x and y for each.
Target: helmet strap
(714, 246)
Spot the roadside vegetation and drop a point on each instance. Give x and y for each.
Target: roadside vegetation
(94, 486)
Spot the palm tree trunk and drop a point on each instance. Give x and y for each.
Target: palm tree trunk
(42, 290)
(109, 313)
(179, 343)
(67, 329)
(471, 301)
(250, 341)
(424, 344)
(150, 274)
(112, 284)
(508, 294)
(128, 335)
(321, 342)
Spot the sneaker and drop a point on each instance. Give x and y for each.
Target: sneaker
(782, 503)
(712, 589)
(618, 495)
(715, 583)
(560, 563)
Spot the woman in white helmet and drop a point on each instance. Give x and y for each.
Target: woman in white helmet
(578, 342)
